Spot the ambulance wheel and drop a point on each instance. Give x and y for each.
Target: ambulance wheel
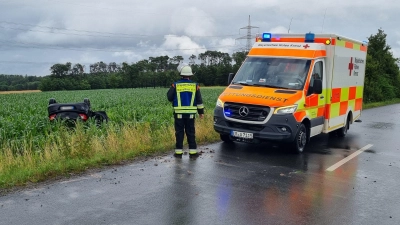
(343, 131)
(300, 140)
(225, 138)
(333, 133)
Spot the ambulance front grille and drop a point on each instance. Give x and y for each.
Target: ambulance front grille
(246, 112)
(244, 126)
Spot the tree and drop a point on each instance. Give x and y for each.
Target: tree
(59, 70)
(192, 59)
(239, 57)
(382, 76)
(77, 69)
(174, 62)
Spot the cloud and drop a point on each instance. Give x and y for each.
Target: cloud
(180, 45)
(192, 21)
(129, 56)
(279, 29)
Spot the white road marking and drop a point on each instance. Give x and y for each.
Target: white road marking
(348, 158)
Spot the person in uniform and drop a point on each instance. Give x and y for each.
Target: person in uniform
(187, 102)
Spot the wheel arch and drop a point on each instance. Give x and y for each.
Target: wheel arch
(350, 117)
(307, 122)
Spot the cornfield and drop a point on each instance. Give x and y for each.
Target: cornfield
(24, 117)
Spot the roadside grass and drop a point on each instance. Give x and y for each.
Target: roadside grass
(73, 152)
(379, 104)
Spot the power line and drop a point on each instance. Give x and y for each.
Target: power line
(40, 31)
(85, 31)
(249, 36)
(98, 32)
(40, 46)
(27, 62)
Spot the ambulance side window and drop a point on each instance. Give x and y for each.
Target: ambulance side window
(316, 74)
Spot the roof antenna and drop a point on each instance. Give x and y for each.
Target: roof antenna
(323, 21)
(290, 25)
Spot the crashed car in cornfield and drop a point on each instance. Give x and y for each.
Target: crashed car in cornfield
(72, 112)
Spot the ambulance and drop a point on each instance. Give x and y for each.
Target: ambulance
(292, 87)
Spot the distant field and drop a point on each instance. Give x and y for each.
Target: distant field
(17, 92)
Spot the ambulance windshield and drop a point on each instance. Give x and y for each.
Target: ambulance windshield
(273, 72)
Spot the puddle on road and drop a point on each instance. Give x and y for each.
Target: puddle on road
(381, 125)
(370, 151)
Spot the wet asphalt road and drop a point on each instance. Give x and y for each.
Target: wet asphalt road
(236, 184)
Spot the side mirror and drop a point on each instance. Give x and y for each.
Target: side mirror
(230, 78)
(317, 87)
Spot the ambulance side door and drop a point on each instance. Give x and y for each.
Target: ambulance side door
(316, 102)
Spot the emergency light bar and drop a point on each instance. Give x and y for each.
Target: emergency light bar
(310, 37)
(266, 37)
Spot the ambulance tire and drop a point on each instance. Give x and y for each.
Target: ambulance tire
(300, 140)
(225, 138)
(343, 131)
(333, 133)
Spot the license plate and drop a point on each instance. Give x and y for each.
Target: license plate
(242, 134)
(66, 107)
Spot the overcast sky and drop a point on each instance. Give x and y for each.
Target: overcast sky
(34, 35)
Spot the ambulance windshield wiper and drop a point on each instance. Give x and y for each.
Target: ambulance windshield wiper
(243, 83)
(271, 86)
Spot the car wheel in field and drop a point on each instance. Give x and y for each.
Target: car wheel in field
(343, 131)
(300, 140)
(100, 117)
(52, 101)
(225, 138)
(87, 101)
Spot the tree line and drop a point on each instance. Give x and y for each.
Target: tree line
(211, 68)
(19, 82)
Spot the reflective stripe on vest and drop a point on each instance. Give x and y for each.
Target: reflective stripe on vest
(185, 88)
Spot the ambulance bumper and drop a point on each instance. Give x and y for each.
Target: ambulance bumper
(279, 128)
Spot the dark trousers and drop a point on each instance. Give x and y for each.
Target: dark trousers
(182, 126)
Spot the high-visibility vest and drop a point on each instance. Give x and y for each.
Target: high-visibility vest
(185, 97)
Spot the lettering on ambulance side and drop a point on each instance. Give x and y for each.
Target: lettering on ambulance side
(354, 67)
(280, 45)
(256, 96)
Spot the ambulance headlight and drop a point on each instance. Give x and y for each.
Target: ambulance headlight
(286, 110)
(220, 103)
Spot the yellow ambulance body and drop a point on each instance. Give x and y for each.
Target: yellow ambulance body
(292, 87)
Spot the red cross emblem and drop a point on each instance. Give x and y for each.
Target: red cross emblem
(351, 66)
(306, 46)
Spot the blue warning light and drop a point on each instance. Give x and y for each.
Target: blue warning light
(266, 37)
(227, 112)
(310, 37)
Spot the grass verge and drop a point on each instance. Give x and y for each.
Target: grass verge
(379, 104)
(74, 152)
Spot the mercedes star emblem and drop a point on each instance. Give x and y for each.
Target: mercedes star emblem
(243, 111)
